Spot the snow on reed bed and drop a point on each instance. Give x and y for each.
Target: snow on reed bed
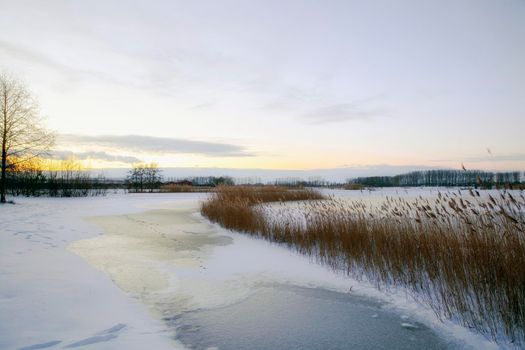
(461, 254)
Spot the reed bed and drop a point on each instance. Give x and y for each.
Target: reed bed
(178, 188)
(462, 254)
(234, 207)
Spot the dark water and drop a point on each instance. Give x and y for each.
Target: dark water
(284, 317)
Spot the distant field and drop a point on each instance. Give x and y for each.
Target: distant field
(176, 188)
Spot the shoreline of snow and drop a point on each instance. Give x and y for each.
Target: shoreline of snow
(289, 268)
(396, 298)
(223, 275)
(51, 297)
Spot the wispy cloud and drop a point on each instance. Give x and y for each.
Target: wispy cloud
(26, 54)
(488, 158)
(31, 56)
(498, 158)
(140, 143)
(206, 105)
(104, 156)
(337, 113)
(359, 109)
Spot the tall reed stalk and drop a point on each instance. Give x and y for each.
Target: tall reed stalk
(461, 254)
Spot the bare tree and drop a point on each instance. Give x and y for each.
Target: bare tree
(22, 134)
(153, 176)
(144, 177)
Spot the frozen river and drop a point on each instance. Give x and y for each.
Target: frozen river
(203, 287)
(290, 317)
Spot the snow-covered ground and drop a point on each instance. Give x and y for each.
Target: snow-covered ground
(51, 297)
(114, 272)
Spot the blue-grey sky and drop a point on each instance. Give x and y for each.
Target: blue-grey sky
(276, 84)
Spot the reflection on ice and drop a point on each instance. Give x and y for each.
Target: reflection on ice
(286, 317)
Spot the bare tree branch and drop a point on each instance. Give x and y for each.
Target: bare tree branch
(22, 134)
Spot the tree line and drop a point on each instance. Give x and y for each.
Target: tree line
(437, 178)
(31, 180)
(148, 178)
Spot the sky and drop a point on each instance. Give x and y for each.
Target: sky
(271, 84)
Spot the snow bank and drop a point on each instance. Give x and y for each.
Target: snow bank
(50, 297)
(252, 262)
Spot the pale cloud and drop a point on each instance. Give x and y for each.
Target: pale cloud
(158, 145)
(312, 105)
(92, 155)
(69, 72)
(514, 157)
(498, 158)
(26, 54)
(337, 113)
(206, 105)
(357, 109)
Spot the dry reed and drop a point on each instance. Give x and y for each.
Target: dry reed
(180, 188)
(462, 255)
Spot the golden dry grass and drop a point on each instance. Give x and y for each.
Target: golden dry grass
(463, 255)
(233, 206)
(179, 188)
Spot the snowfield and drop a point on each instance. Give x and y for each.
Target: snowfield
(113, 272)
(51, 297)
